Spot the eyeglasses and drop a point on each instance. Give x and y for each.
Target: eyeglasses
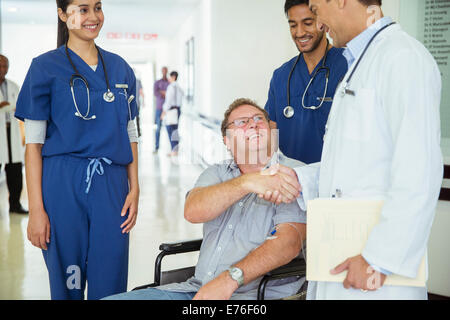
(242, 122)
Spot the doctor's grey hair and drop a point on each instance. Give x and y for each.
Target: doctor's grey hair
(371, 2)
(63, 31)
(292, 3)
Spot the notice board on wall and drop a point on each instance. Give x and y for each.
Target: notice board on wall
(436, 37)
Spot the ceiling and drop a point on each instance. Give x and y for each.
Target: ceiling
(162, 17)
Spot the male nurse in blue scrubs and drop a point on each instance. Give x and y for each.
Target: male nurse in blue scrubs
(301, 118)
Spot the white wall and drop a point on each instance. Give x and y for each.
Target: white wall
(198, 27)
(238, 46)
(21, 43)
(391, 8)
(406, 12)
(250, 40)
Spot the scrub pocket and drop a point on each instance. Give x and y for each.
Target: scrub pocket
(359, 115)
(121, 105)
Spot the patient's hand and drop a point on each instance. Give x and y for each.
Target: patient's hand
(221, 288)
(288, 189)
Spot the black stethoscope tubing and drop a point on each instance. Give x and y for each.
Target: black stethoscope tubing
(108, 96)
(346, 89)
(78, 74)
(314, 75)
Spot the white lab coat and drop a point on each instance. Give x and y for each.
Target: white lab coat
(17, 149)
(384, 143)
(174, 96)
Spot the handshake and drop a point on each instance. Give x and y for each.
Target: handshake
(277, 184)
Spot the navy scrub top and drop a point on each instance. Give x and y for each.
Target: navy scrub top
(301, 137)
(46, 95)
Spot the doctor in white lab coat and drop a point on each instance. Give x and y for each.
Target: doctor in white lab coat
(11, 150)
(382, 141)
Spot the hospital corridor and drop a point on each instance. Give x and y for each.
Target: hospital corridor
(125, 125)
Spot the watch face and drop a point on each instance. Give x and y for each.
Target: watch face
(236, 272)
(237, 275)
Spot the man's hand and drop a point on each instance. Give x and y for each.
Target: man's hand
(360, 274)
(289, 189)
(163, 114)
(4, 104)
(276, 181)
(221, 288)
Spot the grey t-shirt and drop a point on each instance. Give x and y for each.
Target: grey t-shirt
(236, 232)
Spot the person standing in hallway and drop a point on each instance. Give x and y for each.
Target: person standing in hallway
(172, 110)
(302, 90)
(159, 90)
(11, 140)
(81, 167)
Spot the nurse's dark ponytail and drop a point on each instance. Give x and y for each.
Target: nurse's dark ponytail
(63, 31)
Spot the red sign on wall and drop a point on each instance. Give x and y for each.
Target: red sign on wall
(132, 36)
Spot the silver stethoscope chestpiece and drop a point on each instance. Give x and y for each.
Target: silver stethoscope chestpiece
(288, 112)
(108, 96)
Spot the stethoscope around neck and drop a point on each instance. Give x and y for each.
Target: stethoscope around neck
(289, 111)
(108, 96)
(346, 86)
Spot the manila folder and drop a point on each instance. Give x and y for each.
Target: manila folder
(338, 229)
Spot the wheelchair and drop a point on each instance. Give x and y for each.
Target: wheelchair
(295, 268)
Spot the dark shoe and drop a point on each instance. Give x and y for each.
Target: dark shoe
(19, 210)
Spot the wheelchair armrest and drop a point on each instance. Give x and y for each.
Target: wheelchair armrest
(296, 267)
(181, 246)
(167, 249)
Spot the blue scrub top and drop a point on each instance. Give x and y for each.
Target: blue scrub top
(301, 137)
(46, 95)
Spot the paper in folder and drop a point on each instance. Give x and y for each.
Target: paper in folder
(338, 229)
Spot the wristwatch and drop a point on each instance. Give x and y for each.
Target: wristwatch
(237, 275)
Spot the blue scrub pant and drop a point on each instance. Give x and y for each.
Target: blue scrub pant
(86, 241)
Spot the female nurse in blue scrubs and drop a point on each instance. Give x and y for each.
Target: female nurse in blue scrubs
(83, 177)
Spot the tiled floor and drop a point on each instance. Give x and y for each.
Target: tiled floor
(163, 183)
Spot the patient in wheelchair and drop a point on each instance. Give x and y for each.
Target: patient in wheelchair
(244, 236)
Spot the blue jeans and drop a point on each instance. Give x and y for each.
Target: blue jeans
(172, 131)
(152, 294)
(158, 127)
